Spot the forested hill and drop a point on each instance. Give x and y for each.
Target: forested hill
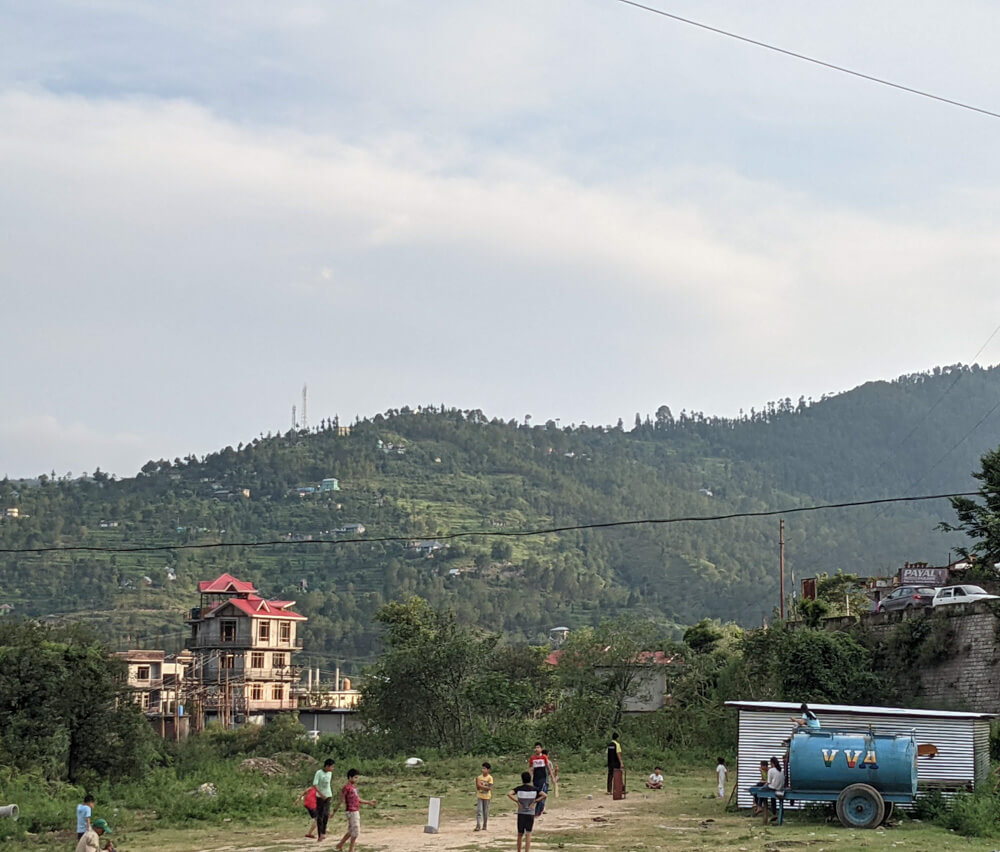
(424, 473)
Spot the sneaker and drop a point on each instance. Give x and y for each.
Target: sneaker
(477, 828)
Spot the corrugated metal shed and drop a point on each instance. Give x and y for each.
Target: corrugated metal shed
(961, 739)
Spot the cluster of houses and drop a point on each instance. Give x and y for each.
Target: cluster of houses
(237, 667)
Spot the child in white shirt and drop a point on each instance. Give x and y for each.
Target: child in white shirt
(655, 781)
(722, 773)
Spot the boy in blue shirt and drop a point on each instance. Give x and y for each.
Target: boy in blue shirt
(84, 813)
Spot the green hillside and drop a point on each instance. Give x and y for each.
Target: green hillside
(424, 473)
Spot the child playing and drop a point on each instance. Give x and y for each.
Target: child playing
(525, 796)
(758, 803)
(655, 780)
(723, 774)
(484, 786)
(352, 804)
(541, 770)
(308, 799)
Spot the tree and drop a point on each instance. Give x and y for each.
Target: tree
(808, 665)
(420, 690)
(664, 417)
(703, 636)
(600, 668)
(64, 707)
(980, 521)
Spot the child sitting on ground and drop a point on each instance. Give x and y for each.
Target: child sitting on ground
(655, 780)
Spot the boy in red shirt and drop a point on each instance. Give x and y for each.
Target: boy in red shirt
(352, 804)
(541, 771)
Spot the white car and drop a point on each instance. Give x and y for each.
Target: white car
(961, 594)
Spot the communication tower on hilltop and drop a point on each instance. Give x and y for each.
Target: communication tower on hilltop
(305, 422)
(294, 421)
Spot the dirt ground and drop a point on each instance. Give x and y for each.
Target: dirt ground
(684, 816)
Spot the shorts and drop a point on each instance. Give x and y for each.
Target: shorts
(354, 824)
(311, 812)
(525, 822)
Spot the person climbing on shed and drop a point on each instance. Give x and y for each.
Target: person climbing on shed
(808, 719)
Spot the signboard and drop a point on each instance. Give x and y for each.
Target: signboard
(923, 576)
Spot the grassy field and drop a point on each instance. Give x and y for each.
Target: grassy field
(685, 815)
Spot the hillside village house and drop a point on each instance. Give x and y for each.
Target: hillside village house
(158, 683)
(237, 668)
(650, 687)
(242, 647)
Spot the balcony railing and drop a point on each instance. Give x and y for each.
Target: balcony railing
(283, 673)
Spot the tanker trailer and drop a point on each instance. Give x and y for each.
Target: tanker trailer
(864, 774)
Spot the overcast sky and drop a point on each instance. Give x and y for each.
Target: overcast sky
(573, 210)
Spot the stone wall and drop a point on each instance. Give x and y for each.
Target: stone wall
(967, 677)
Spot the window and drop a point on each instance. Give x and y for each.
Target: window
(285, 631)
(256, 692)
(227, 661)
(257, 660)
(144, 700)
(227, 631)
(277, 692)
(278, 661)
(264, 631)
(142, 673)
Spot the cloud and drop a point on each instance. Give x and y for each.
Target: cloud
(173, 272)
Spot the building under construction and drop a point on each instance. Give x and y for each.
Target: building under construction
(237, 666)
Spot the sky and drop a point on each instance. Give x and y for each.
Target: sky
(573, 210)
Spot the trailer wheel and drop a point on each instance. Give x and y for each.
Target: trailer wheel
(860, 806)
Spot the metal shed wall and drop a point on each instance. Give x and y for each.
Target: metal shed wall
(963, 743)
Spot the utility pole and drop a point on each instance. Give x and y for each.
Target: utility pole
(781, 566)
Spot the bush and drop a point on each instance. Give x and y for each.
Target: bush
(972, 814)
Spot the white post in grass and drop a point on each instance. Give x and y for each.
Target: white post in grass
(433, 816)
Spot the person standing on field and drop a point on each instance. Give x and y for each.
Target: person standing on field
(323, 781)
(526, 797)
(722, 773)
(352, 804)
(615, 760)
(83, 814)
(540, 768)
(484, 792)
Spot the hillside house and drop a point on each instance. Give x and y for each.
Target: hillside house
(331, 483)
(242, 646)
(426, 548)
(650, 687)
(158, 681)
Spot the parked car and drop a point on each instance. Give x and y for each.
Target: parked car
(962, 594)
(906, 597)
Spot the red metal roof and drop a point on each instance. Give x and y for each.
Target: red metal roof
(225, 584)
(257, 607)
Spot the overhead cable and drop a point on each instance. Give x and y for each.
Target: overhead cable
(769, 513)
(842, 69)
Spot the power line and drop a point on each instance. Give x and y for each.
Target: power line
(770, 513)
(813, 60)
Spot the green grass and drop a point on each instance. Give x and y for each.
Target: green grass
(253, 813)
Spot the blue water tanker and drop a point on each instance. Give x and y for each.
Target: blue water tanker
(865, 774)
